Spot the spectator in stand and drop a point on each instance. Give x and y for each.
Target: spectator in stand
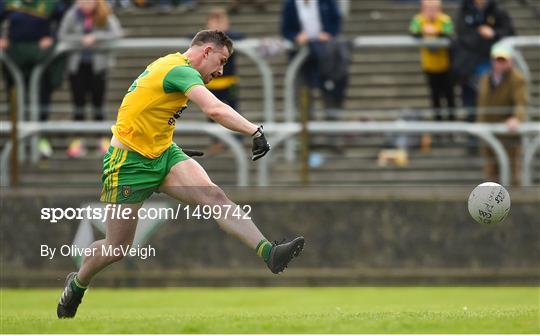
(480, 24)
(431, 22)
(89, 22)
(225, 87)
(502, 97)
(30, 40)
(316, 23)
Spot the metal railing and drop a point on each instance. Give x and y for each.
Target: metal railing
(248, 47)
(277, 133)
(19, 83)
(284, 131)
(289, 88)
(32, 128)
(21, 93)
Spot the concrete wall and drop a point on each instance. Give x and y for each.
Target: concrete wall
(352, 237)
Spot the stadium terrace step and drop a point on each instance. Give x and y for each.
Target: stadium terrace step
(171, 21)
(383, 177)
(91, 164)
(354, 164)
(289, 177)
(361, 177)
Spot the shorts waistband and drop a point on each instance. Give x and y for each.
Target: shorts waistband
(130, 154)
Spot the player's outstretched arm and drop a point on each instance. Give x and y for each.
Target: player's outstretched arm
(220, 112)
(226, 116)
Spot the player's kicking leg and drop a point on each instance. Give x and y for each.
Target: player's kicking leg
(120, 233)
(187, 181)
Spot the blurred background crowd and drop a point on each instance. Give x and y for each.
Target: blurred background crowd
(473, 79)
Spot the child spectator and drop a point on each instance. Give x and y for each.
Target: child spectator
(431, 22)
(225, 87)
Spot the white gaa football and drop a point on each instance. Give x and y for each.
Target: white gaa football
(489, 203)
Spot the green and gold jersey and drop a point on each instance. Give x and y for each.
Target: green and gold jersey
(434, 60)
(149, 110)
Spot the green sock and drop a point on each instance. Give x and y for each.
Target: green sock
(77, 287)
(263, 249)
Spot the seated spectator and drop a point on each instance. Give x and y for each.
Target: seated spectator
(431, 22)
(503, 98)
(30, 41)
(88, 22)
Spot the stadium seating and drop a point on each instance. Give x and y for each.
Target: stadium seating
(384, 83)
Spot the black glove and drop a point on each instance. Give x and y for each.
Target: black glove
(191, 153)
(260, 145)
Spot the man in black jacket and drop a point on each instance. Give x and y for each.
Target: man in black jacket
(480, 24)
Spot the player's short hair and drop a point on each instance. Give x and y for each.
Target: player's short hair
(218, 38)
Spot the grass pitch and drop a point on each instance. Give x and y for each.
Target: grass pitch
(278, 310)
